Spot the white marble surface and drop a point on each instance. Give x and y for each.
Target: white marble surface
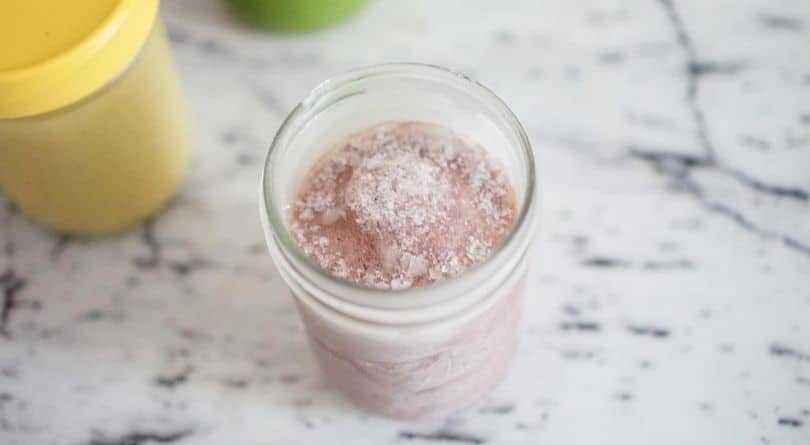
(670, 296)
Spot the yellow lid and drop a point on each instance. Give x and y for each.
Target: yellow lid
(54, 53)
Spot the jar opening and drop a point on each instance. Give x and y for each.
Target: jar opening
(297, 266)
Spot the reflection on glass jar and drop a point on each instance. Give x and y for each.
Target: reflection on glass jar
(422, 351)
(94, 133)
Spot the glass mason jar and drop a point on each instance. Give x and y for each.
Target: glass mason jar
(418, 352)
(94, 133)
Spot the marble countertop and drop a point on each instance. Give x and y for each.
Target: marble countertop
(669, 297)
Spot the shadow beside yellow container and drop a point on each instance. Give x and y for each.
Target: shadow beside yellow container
(293, 15)
(94, 132)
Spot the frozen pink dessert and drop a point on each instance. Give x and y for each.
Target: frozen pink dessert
(400, 205)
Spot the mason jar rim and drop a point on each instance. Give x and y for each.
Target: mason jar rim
(274, 218)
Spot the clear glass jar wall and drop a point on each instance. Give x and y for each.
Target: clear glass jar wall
(107, 161)
(419, 352)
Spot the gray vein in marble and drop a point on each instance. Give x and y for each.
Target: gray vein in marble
(780, 350)
(142, 438)
(5, 398)
(754, 142)
(442, 436)
(697, 69)
(171, 381)
(650, 331)
(693, 76)
(624, 396)
(773, 190)
(190, 265)
(677, 167)
(667, 264)
(270, 101)
(780, 22)
(187, 263)
(154, 249)
(606, 262)
(582, 326)
(790, 422)
(498, 409)
(62, 242)
(248, 145)
(10, 284)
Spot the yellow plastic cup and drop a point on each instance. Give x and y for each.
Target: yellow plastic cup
(94, 132)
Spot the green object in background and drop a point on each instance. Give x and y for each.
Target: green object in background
(293, 15)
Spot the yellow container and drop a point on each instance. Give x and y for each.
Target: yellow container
(94, 133)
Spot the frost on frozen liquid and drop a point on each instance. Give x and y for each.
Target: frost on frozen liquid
(402, 205)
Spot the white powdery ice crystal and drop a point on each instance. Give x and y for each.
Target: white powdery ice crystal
(403, 204)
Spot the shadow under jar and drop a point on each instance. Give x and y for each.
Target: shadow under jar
(94, 132)
(423, 351)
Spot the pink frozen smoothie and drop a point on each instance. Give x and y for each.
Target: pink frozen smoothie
(399, 205)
